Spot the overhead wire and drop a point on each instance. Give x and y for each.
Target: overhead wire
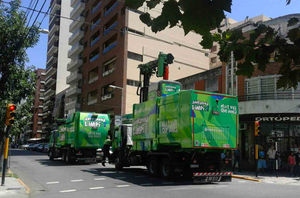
(33, 10)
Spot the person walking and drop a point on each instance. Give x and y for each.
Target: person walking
(271, 154)
(105, 149)
(291, 163)
(236, 162)
(261, 163)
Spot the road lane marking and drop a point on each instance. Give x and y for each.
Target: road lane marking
(99, 179)
(96, 188)
(66, 191)
(54, 182)
(122, 186)
(77, 180)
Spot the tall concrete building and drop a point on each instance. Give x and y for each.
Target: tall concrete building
(108, 43)
(57, 59)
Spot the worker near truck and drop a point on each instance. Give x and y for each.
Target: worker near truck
(105, 149)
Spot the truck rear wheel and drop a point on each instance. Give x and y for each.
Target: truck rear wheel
(153, 167)
(118, 164)
(166, 168)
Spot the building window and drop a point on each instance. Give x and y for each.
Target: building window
(110, 7)
(106, 93)
(93, 75)
(110, 44)
(94, 55)
(211, 85)
(135, 56)
(92, 97)
(134, 83)
(213, 60)
(95, 38)
(96, 6)
(109, 66)
(96, 21)
(110, 25)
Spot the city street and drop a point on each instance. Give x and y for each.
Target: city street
(47, 179)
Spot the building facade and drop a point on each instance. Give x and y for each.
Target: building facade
(37, 117)
(277, 110)
(111, 44)
(57, 58)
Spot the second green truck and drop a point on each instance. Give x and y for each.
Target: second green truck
(78, 138)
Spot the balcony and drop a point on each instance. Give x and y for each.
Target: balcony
(50, 72)
(271, 96)
(55, 5)
(73, 91)
(53, 37)
(49, 93)
(52, 58)
(106, 31)
(106, 73)
(40, 123)
(108, 48)
(53, 49)
(95, 57)
(106, 97)
(74, 77)
(77, 9)
(75, 50)
(50, 82)
(108, 11)
(54, 16)
(72, 105)
(78, 22)
(93, 42)
(94, 25)
(97, 7)
(74, 64)
(40, 114)
(76, 36)
(53, 29)
(73, 2)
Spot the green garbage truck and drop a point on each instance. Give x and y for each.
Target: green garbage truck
(78, 138)
(179, 132)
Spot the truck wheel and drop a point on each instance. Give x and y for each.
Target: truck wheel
(166, 169)
(118, 164)
(153, 167)
(68, 157)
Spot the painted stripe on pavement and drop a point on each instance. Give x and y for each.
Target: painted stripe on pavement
(122, 186)
(96, 188)
(99, 179)
(66, 191)
(53, 182)
(77, 180)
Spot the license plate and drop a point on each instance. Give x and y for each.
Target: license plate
(213, 178)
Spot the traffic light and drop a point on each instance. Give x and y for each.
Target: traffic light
(163, 61)
(10, 114)
(256, 128)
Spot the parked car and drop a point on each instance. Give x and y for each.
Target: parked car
(32, 147)
(40, 147)
(24, 146)
(46, 148)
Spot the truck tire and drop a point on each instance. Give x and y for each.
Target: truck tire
(118, 164)
(153, 167)
(166, 168)
(68, 157)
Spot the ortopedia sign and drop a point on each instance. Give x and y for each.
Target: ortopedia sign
(279, 118)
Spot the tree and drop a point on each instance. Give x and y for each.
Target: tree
(204, 16)
(16, 81)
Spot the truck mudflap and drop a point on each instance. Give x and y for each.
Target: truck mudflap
(209, 177)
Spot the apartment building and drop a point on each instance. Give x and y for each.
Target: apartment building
(278, 110)
(57, 59)
(35, 128)
(107, 49)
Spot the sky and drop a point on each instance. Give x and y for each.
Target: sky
(239, 11)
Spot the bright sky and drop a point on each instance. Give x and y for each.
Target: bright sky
(240, 9)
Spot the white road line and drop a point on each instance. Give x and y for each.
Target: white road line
(65, 191)
(96, 188)
(99, 179)
(122, 186)
(77, 180)
(54, 182)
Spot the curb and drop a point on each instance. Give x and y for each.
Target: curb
(21, 182)
(246, 178)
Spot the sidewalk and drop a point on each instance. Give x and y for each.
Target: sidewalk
(268, 178)
(13, 187)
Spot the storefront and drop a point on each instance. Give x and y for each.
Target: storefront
(281, 128)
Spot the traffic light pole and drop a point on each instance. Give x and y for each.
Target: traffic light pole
(5, 155)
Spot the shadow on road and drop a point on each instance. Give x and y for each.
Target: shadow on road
(138, 176)
(21, 152)
(57, 162)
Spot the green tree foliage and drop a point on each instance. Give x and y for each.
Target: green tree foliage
(257, 47)
(16, 81)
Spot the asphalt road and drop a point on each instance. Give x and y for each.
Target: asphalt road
(54, 179)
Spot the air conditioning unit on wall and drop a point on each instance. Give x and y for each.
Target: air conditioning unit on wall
(243, 126)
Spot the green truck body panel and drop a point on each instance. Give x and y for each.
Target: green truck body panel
(83, 130)
(189, 119)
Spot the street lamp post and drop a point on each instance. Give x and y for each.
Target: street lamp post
(121, 88)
